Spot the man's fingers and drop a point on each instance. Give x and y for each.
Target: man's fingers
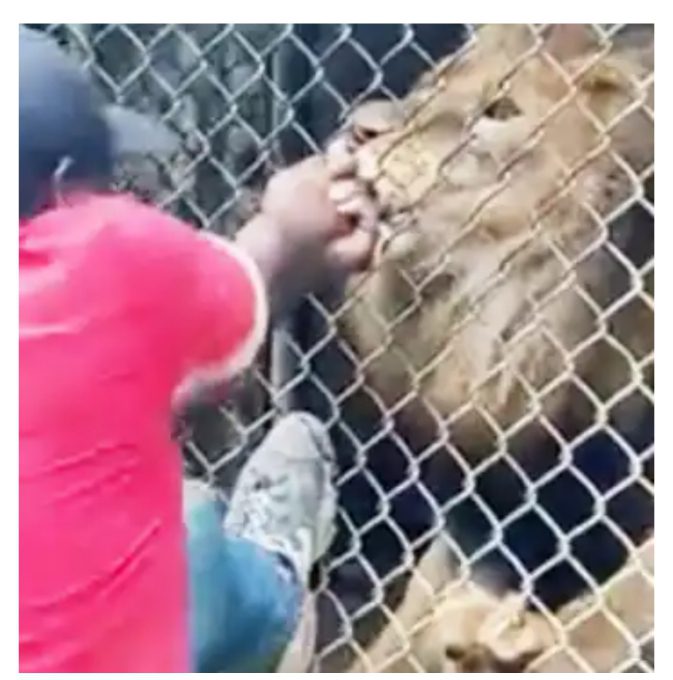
(352, 252)
(361, 212)
(340, 160)
(351, 198)
(343, 190)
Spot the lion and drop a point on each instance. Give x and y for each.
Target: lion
(510, 320)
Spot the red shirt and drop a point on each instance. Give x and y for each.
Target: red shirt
(120, 305)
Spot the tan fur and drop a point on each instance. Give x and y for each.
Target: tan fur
(446, 624)
(482, 308)
(460, 627)
(476, 302)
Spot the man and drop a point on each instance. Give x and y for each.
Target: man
(125, 313)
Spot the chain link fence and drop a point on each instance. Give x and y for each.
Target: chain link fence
(490, 387)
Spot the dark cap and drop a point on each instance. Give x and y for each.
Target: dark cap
(65, 130)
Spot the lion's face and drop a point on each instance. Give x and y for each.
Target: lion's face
(494, 175)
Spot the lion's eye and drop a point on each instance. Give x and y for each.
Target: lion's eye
(502, 108)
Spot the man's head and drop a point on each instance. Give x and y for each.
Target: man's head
(66, 135)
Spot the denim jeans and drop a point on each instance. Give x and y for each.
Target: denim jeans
(245, 602)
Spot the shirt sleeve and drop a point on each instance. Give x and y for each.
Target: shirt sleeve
(230, 314)
(203, 300)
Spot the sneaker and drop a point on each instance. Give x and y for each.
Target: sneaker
(284, 499)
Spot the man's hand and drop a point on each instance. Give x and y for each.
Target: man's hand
(317, 224)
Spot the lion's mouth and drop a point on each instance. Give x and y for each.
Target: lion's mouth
(398, 219)
(397, 232)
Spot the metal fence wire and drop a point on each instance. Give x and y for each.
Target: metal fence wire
(490, 385)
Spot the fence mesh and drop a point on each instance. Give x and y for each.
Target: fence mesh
(490, 387)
